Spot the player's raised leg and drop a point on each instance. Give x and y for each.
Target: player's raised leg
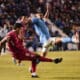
(36, 59)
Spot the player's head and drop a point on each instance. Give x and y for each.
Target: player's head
(17, 26)
(25, 20)
(39, 15)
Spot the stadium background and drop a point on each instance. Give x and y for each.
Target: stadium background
(62, 13)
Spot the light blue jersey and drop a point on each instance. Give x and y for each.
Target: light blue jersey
(43, 32)
(42, 36)
(41, 29)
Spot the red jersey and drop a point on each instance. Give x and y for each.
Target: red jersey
(15, 44)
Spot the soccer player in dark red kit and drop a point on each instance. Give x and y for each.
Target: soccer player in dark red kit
(19, 52)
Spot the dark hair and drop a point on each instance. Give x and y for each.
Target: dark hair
(17, 25)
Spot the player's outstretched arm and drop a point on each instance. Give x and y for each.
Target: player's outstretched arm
(6, 38)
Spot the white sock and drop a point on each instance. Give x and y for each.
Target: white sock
(33, 73)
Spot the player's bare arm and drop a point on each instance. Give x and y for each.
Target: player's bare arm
(4, 39)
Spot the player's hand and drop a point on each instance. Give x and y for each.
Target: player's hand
(48, 6)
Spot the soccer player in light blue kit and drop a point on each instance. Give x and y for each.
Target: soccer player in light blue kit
(41, 29)
(44, 36)
(43, 32)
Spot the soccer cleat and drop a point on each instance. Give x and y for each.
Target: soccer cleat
(14, 60)
(35, 76)
(57, 60)
(19, 64)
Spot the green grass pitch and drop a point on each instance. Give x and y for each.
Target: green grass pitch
(69, 69)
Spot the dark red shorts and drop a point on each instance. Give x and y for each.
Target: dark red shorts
(23, 55)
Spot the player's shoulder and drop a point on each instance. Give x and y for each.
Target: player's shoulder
(10, 33)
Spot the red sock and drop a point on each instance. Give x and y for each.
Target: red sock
(43, 59)
(33, 66)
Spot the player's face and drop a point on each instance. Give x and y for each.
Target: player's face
(26, 20)
(39, 15)
(18, 30)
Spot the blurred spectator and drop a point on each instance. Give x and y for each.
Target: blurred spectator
(3, 32)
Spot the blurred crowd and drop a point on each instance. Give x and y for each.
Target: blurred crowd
(61, 12)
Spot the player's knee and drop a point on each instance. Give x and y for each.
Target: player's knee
(44, 49)
(37, 55)
(47, 44)
(52, 40)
